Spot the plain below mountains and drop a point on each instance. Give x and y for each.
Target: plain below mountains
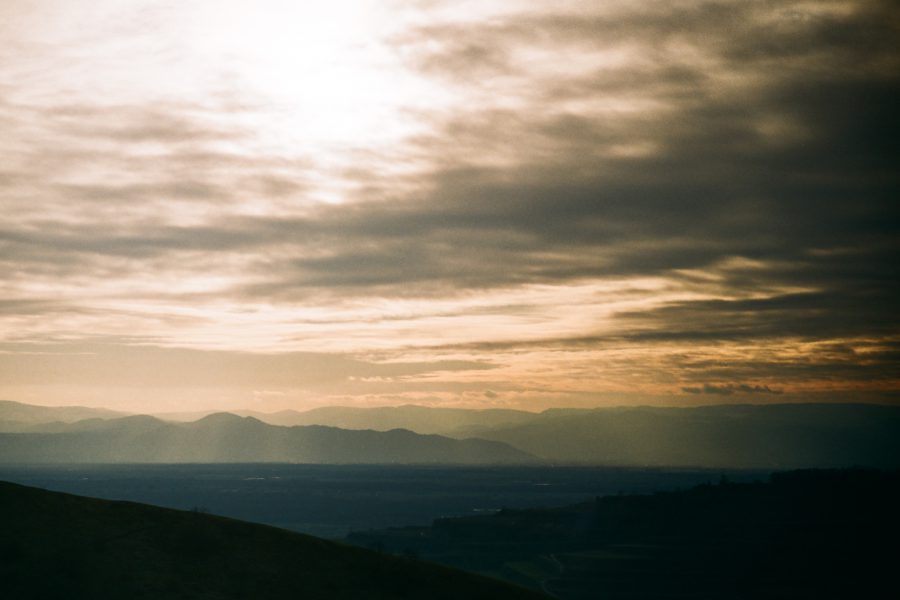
(55, 545)
(228, 438)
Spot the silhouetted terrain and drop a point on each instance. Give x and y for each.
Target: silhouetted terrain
(738, 436)
(16, 416)
(804, 534)
(453, 422)
(776, 436)
(723, 436)
(55, 545)
(225, 437)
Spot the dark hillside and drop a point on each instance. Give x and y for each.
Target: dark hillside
(804, 534)
(56, 545)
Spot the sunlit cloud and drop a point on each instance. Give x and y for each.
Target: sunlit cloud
(580, 203)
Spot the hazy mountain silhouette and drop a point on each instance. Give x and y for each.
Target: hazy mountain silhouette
(55, 545)
(16, 416)
(453, 422)
(224, 437)
(732, 436)
(742, 436)
(751, 436)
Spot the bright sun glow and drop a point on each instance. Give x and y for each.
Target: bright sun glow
(326, 75)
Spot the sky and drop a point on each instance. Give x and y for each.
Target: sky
(270, 204)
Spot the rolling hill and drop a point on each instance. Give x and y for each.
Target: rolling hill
(55, 545)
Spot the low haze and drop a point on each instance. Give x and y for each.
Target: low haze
(271, 205)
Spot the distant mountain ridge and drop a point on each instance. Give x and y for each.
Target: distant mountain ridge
(224, 437)
(770, 436)
(17, 416)
(453, 422)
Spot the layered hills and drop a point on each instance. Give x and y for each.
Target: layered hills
(780, 436)
(224, 437)
(775, 436)
(17, 416)
(453, 422)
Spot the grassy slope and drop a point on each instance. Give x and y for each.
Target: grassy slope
(55, 545)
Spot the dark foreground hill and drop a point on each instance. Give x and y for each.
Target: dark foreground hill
(804, 534)
(224, 437)
(56, 545)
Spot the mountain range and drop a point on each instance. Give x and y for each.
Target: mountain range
(16, 416)
(224, 437)
(779, 436)
(452, 422)
(773, 436)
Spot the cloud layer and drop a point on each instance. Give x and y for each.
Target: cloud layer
(594, 200)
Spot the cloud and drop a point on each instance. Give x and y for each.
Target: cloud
(113, 364)
(724, 178)
(729, 389)
(720, 176)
